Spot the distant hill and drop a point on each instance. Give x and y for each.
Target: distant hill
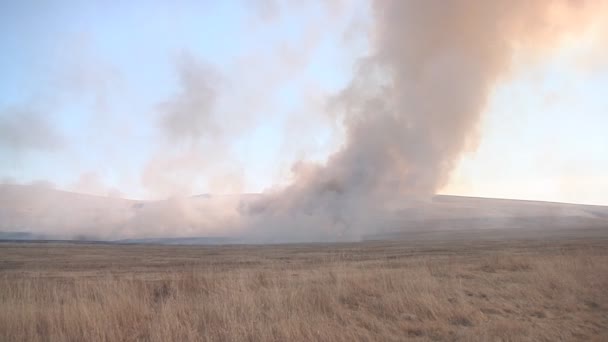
(29, 212)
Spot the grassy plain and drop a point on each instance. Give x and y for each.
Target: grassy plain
(452, 290)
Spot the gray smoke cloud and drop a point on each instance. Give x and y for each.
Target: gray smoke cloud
(194, 133)
(412, 108)
(190, 114)
(23, 129)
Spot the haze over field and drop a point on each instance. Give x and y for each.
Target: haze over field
(354, 151)
(52, 214)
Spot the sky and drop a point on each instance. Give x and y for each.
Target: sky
(97, 97)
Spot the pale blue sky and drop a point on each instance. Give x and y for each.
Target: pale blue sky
(96, 73)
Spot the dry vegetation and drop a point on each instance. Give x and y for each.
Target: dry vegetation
(477, 291)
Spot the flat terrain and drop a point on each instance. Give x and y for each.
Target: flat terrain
(483, 289)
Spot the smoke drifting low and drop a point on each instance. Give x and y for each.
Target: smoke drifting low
(413, 107)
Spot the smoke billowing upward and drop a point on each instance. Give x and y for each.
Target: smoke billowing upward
(412, 108)
(415, 104)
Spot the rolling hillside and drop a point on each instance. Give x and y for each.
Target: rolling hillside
(31, 212)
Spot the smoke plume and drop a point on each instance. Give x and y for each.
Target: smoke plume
(412, 108)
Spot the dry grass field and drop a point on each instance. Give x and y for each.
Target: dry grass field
(477, 290)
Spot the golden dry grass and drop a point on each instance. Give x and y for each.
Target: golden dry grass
(482, 291)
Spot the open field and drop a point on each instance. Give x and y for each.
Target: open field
(464, 290)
